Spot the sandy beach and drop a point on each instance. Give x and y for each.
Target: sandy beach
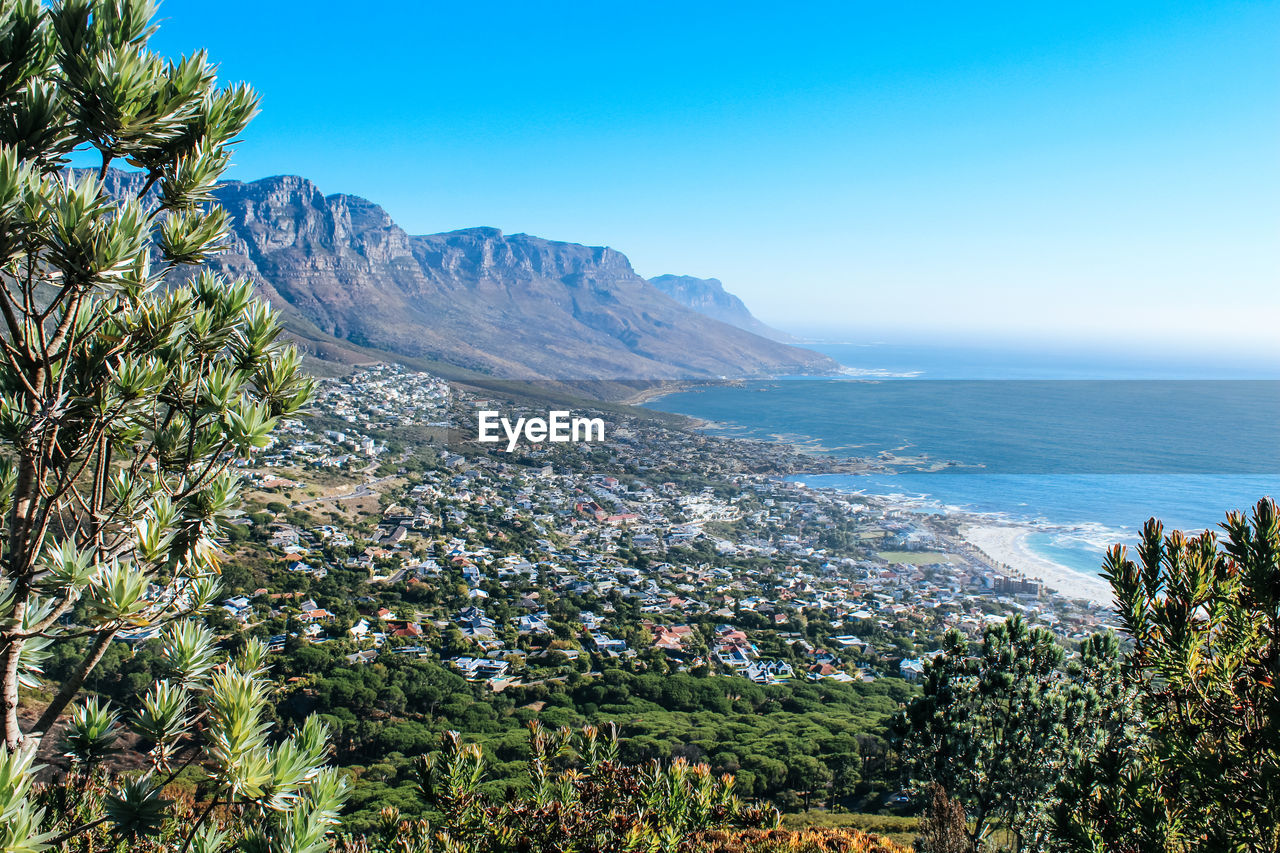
(1007, 544)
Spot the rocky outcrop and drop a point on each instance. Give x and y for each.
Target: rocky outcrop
(514, 306)
(509, 306)
(707, 296)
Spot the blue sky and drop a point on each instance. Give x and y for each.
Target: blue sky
(1071, 172)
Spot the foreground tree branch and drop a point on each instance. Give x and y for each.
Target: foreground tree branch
(130, 381)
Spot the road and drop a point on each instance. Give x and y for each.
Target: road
(363, 490)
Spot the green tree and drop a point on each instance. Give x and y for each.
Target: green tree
(809, 776)
(129, 384)
(846, 773)
(1199, 768)
(1109, 797)
(989, 727)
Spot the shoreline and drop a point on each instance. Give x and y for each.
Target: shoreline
(1006, 543)
(1001, 541)
(665, 387)
(660, 390)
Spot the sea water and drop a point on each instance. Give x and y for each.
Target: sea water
(1083, 452)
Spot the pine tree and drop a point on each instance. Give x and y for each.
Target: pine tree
(990, 727)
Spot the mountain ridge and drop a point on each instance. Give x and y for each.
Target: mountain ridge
(708, 296)
(344, 274)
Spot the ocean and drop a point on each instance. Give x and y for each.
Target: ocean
(1083, 450)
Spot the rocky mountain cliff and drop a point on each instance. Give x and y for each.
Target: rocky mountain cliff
(513, 306)
(707, 296)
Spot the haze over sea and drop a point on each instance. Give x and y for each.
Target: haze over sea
(1082, 448)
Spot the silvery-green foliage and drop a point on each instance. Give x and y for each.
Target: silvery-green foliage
(136, 808)
(289, 800)
(131, 380)
(190, 652)
(163, 717)
(20, 821)
(92, 732)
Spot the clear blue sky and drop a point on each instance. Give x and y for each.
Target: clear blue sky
(1022, 170)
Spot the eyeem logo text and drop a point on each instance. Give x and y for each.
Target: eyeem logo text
(558, 427)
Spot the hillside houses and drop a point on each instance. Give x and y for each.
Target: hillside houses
(553, 555)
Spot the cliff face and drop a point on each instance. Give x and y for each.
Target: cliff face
(513, 306)
(707, 296)
(510, 306)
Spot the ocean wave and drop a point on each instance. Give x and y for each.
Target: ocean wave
(1096, 541)
(873, 373)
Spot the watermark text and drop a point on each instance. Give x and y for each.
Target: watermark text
(559, 427)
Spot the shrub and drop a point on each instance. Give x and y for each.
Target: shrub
(579, 797)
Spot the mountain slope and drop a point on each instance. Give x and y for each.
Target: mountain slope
(707, 296)
(514, 306)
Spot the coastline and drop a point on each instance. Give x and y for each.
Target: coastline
(659, 390)
(1001, 541)
(1007, 544)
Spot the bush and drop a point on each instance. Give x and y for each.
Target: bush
(579, 797)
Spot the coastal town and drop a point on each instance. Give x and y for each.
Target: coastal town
(383, 470)
(660, 547)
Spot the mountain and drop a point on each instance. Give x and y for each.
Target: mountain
(707, 296)
(511, 306)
